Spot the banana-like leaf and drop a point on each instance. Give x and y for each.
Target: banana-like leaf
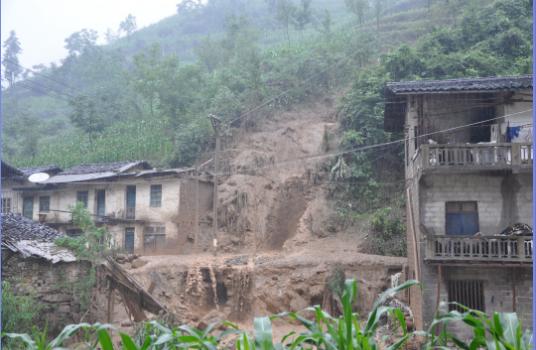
(105, 340)
(263, 333)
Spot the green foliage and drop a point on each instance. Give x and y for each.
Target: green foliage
(10, 60)
(92, 107)
(81, 41)
(387, 233)
(93, 243)
(335, 280)
(322, 331)
(128, 25)
(497, 331)
(488, 40)
(40, 340)
(19, 312)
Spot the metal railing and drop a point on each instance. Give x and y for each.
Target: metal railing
(497, 248)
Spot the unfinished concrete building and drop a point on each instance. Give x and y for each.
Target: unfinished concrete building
(146, 210)
(468, 161)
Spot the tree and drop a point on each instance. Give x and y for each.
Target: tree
(110, 36)
(378, 7)
(80, 41)
(358, 8)
(325, 22)
(302, 14)
(12, 49)
(128, 25)
(188, 6)
(284, 13)
(87, 114)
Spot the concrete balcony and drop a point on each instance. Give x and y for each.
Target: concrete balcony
(456, 158)
(498, 249)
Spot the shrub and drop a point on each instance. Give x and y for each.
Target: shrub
(387, 233)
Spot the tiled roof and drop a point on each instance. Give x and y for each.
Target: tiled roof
(49, 169)
(94, 168)
(10, 171)
(463, 84)
(31, 238)
(17, 227)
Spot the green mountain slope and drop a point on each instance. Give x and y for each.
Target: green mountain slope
(148, 95)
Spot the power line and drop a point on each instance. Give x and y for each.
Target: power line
(374, 146)
(43, 75)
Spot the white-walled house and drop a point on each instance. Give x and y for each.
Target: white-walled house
(146, 210)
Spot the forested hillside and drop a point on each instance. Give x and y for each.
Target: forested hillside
(148, 94)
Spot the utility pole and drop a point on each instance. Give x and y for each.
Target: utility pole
(216, 125)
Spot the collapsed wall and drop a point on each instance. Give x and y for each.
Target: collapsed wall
(55, 287)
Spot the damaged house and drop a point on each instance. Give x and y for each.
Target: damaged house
(146, 210)
(35, 266)
(468, 163)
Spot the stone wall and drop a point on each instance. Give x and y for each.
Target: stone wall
(50, 284)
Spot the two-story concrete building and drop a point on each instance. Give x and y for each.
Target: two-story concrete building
(145, 209)
(468, 164)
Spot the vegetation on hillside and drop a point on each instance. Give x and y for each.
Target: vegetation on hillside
(97, 104)
(128, 100)
(487, 40)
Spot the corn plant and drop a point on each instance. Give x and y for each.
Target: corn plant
(39, 340)
(498, 331)
(347, 332)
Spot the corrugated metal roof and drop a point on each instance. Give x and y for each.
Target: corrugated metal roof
(49, 169)
(157, 172)
(463, 84)
(31, 238)
(117, 167)
(63, 178)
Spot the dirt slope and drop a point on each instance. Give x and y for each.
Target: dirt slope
(279, 242)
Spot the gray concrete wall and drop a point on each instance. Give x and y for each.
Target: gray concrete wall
(506, 289)
(502, 199)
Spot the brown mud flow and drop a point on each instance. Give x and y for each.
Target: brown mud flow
(281, 246)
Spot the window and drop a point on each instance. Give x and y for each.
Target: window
(74, 232)
(44, 204)
(128, 242)
(469, 293)
(154, 237)
(27, 207)
(82, 197)
(156, 196)
(6, 205)
(130, 202)
(461, 218)
(100, 203)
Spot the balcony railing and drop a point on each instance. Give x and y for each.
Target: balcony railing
(498, 248)
(465, 157)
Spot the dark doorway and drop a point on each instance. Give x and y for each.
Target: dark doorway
(100, 203)
(27, 207)
(129, 240)
(131, 202)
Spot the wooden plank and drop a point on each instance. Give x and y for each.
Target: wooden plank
(414, 234)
